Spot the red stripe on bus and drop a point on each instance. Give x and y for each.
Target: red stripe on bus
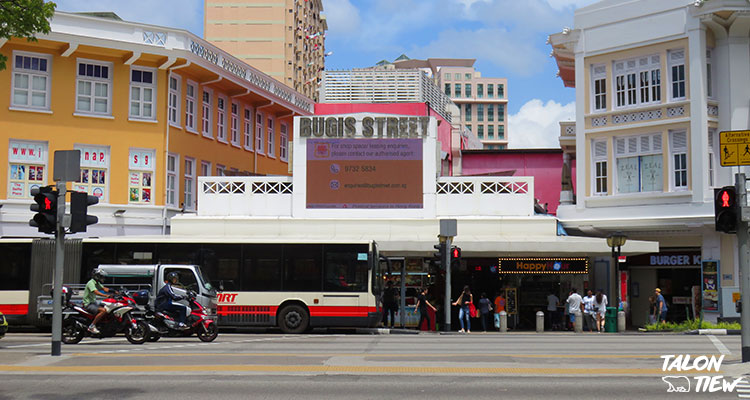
(315, 311)
(14, 309)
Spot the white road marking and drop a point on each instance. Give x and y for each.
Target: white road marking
(719, 345)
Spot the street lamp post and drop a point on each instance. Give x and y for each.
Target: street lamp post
(616, 240)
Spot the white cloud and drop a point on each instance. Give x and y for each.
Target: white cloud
(563, 4)
(181, 14)
(342, 16)
(536, 125)
(509, 50)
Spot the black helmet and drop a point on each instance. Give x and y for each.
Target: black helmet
(98, 275)
(171, 275)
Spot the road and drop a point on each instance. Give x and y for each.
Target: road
(333, 366)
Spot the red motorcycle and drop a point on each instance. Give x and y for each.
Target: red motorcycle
(119, 318)
(163, 323)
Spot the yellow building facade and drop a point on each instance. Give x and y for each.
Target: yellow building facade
(150, 108)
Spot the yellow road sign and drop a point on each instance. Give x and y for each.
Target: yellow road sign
(734, 148)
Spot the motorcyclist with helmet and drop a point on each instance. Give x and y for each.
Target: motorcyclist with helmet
(166, 299)
(94, 287)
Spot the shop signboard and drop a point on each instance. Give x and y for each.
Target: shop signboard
(511, 301)
(364, 173)
(535, 265)
(710, 282)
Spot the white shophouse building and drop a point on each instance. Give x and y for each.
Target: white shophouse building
(349, 184)
(655, 82)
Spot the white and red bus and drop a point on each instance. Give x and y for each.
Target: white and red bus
(292, 284)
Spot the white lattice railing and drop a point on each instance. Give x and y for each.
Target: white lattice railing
(453, 196)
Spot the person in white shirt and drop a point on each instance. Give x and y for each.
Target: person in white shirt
(551, 315)
(574, 304)
(600, 305)
(588, 311)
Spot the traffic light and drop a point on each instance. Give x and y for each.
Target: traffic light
(725, 209)
(46, 209)
(455, 255)
(437, 258)
(79, 203)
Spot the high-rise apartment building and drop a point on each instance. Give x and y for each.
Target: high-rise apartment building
(483, 102)
(284, 39)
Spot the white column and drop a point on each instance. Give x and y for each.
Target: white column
(738, 104)
(698, 111)
(584, 160)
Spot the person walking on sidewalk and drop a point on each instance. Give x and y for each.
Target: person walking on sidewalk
(499, 307)
(661, 307)
(552, 303)
(464, 300)
(390, 304)
(485, 306)
(600, 306)
(574, 305)
(588, 310)
(422, 305)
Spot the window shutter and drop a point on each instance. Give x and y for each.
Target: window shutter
(645, 145)
(656, 143)
(711, 134)
(600, 149)
(632, 145)
(620, 146)
(679, 141)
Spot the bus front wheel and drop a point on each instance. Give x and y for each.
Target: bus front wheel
(293, 319)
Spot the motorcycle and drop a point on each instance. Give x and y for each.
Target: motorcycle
(163, 323)
(118, 319)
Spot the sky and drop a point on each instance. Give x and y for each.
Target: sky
(506, 37)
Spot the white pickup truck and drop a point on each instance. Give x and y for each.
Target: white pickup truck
(144, 282)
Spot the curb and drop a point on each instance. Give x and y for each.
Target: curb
(386, 331)
(717, 332)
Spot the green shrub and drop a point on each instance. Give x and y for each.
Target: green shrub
(689, 325)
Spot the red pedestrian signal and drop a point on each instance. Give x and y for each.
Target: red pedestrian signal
(45, 206)
(725, 209)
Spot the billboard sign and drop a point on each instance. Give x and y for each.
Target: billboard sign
(364, 173)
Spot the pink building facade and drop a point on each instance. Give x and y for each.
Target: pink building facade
(545, 165)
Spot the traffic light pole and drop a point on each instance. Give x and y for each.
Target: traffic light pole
(744, 264)
(447, 264)
(58, 278)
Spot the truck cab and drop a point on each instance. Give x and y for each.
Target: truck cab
(190, 279)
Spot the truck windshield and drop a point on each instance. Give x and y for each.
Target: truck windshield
(203, 280)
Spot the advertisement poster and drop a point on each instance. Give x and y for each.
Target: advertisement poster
(364, 173)
(710, 282)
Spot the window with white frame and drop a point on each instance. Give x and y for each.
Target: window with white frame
(221, 170)
(27, 167)
(94, 178)
(221, 119)
(283, 142)
(599, 149)
(259, 133)
(676, 74)
(31, 80)
(206, 114)
(247, 129)
(639, 163)
(141, 166)
(271, 139)
(711, 157)
(637, 81)
(234, 125)
(172, 190)
(678, 148)
(93, 87)
(190, 91)
(189, 184)
(599, 78)
(175, 88)
(142, 93)
(205, 168)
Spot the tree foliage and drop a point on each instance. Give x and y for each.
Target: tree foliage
(24, 19)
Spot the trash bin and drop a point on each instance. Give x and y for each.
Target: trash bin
(610, 320)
